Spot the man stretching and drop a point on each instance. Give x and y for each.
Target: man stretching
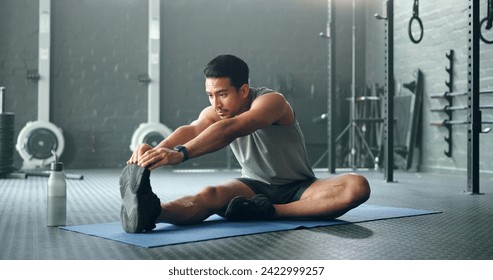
(261, 128)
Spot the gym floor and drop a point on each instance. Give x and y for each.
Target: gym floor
(463, 231)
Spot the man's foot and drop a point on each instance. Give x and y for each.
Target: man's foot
(257, 208)
(140, 206)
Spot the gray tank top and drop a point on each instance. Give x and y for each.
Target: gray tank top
(275, 154)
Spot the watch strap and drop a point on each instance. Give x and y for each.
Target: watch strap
(182, 149)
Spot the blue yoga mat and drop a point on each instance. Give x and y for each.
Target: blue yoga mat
(216, 227)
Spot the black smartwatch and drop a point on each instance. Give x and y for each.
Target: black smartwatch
(182, 149)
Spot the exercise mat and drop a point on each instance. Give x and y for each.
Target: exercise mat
(216, 227)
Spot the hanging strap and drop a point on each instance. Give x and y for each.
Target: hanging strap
(489, 22)
(489, 15)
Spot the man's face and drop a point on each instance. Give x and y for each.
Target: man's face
(224, 98)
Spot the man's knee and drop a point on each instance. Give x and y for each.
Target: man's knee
(214, 197)
(208, 194)
(358, 188)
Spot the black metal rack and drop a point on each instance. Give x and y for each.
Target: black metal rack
(450, 100)
(473, 112)
(388, 111)
(449, 108)
(474, 122)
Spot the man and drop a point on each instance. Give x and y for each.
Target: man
(261, 128)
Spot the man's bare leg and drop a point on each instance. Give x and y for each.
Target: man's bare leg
(196, 208)
(328, 198)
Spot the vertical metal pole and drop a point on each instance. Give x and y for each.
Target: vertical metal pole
(331, 133)
(389, 96)
(352, 133)
(44, 49)
(154, 61)
(2, 96)
(473, 112)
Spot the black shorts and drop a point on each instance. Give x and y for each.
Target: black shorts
(279, 194)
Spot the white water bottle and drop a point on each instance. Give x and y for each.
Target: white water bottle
(57, 195)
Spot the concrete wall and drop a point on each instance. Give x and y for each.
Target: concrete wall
(18, 53)
(445, 28)
(278, 39)
(100, 47)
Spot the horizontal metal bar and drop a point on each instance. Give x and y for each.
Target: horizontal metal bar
(364, 98)
(452, 94)
(379, 120)
(457, 108)
(447, 123)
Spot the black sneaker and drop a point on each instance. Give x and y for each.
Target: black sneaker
(140, 206)
(258, 207)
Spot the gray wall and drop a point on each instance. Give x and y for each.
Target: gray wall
(18, 53)
(278, 39)
(100, 47)
(446, 27)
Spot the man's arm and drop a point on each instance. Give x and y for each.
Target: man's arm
(265, 110)
(271, 108)
(145, 154)
(185, 133)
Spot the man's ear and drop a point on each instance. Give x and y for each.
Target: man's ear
(244, 90)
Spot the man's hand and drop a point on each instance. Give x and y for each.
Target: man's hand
(138, 152)
(156, 157)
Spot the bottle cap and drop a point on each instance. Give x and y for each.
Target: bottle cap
(56, 165)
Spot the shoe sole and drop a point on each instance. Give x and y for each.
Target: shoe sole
(130, 180)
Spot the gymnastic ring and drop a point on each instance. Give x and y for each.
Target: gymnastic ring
(481, 33)
(409, 31)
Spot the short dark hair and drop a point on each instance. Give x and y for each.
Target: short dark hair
(228, 66)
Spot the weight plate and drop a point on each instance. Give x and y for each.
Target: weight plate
(40, 143)
(150, 133)
(153, 138)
